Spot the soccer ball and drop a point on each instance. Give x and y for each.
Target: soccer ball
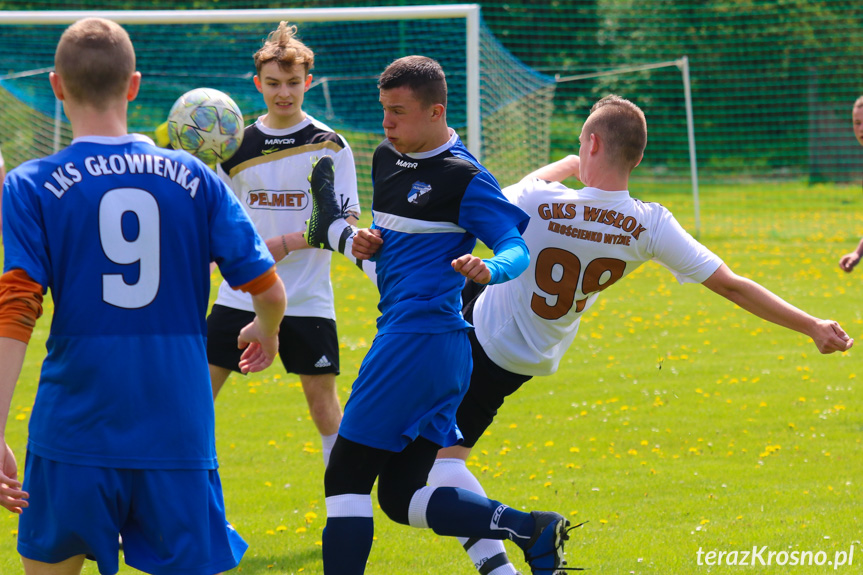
(206, 123)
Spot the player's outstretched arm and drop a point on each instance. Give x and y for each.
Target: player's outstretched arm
(366, 243)
(560, 170)
(760, 301)
(11, 359)
(260, 339)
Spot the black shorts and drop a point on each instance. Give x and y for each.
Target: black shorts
(307, 345)
(490, 384)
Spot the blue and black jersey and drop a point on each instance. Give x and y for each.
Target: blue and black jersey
(431, 208)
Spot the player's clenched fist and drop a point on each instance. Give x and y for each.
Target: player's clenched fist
(366, 243)
(473, 268)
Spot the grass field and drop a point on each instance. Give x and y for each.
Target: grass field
(677, 422)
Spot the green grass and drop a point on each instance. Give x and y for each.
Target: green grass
(677, 422)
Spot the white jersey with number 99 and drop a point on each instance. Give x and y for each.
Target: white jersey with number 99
(581, 242)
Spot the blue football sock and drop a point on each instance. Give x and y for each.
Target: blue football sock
(347, 542)
(459, 512)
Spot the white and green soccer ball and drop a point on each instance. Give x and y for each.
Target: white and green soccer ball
(206, 123)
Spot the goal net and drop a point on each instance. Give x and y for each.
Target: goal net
(499, 106)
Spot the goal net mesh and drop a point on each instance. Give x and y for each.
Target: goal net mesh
(516, 101)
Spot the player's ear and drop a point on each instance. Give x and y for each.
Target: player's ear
(308, 83)
(134, 86)
(437, 112)
(641, 157)
(594, 142)
(56, 86)
(258, 84)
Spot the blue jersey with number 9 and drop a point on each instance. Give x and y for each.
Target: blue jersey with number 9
(122, 233)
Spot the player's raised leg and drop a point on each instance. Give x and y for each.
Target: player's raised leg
(330, 227)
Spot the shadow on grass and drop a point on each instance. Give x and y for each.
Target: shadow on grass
(308, 560)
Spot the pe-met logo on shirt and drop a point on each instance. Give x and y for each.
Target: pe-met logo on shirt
(277, 200)
(419, 194)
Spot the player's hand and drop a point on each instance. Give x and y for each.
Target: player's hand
(849, 261)
(366, 243)
(260, 349)
(829, 337)
(473, 268)
(11, 496)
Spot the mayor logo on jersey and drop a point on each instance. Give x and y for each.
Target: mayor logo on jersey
(419, 194)
(277, 200)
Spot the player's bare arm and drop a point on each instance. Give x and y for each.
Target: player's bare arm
(560, 170)
(260, 339)
(11, 359)
(758, 300)
(473, 268)
(280, 246)
(366, 243)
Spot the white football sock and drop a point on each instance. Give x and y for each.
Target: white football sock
(340, 235)
(327, 442)
(334, 235)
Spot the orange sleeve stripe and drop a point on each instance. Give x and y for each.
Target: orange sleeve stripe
(20, 305)
(261, 283)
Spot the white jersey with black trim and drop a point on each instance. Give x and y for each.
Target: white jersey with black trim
(269, 174)
(581, 242)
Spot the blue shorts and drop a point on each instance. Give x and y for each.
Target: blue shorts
(409, 385)
(172, 521)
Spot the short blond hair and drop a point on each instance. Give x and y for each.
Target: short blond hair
(623, 127)
(95, 59)
(283, 47)
(858, 103)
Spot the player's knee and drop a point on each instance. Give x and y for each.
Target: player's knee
(395, 501)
